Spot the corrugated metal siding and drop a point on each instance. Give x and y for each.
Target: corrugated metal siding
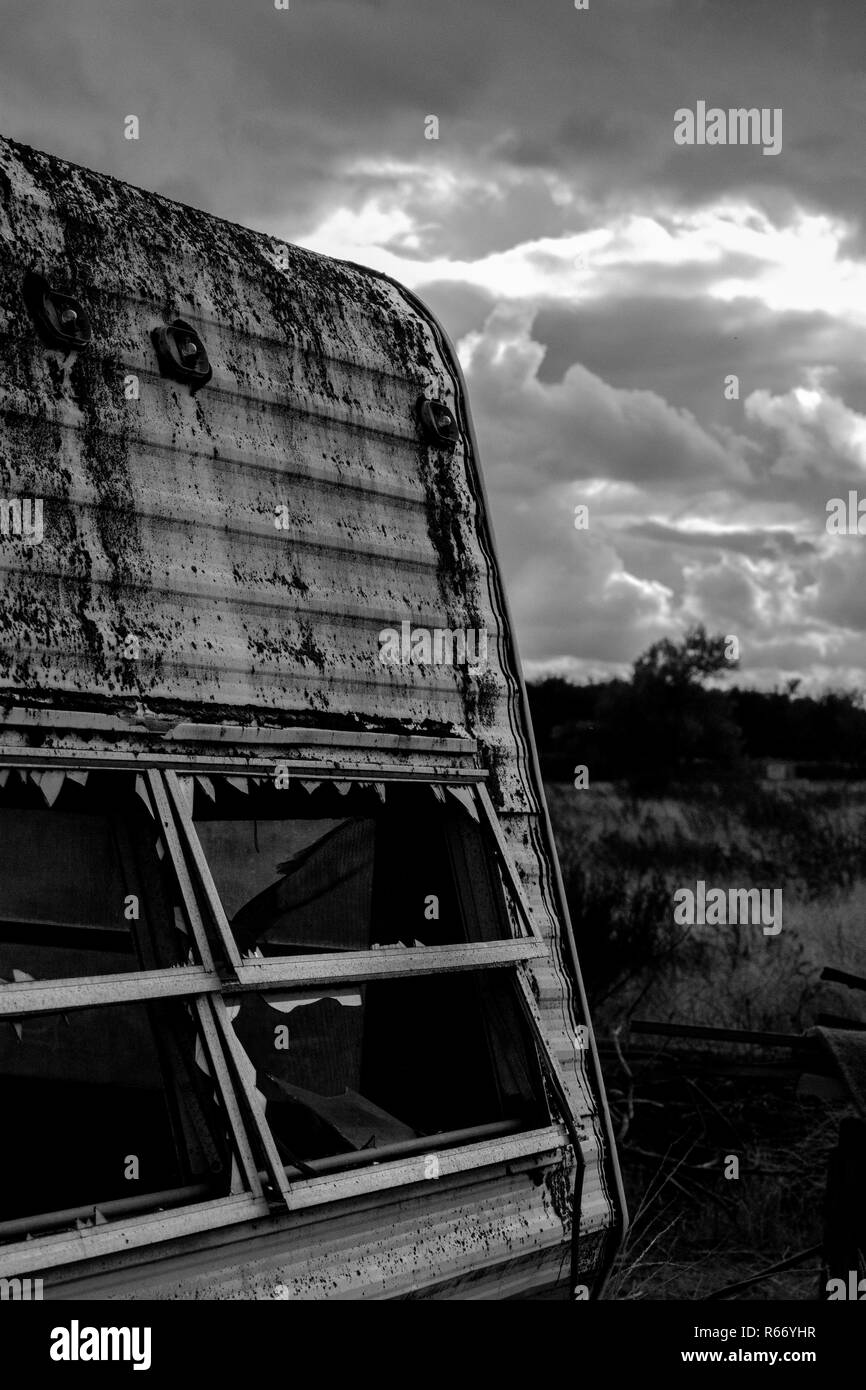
(502, 1236)
(159, 513)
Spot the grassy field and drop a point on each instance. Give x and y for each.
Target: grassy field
(678, 1117)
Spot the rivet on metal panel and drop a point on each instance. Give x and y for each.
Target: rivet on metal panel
(61, 321)
(182, 354)
(437, 422)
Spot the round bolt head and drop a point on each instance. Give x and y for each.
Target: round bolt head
(437, 423)
(68, 316)
(188, 348)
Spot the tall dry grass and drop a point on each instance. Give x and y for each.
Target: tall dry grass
(623, 857)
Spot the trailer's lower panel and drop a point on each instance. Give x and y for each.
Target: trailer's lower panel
(507, 1236)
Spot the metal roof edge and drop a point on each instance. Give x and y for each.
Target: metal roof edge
(473, 462)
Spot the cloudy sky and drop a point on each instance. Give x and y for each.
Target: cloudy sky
(600, 280)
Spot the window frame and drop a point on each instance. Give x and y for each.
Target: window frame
(268, 1191)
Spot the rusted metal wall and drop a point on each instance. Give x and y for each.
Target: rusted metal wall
(159, 512)
(499, 1235)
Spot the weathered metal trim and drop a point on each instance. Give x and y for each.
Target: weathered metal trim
(341, 1186)
(250, 1100)
(48, 1252)
(121, 1207)
(87, 991)
(510, 871)
(183, 813)
(163, 815)
(476, 1197)
(449, 1138)
(560, 1090)
(27, 717)
(336, 738)
(497, 1253)
(228, 1098)
(34, 718)
(155, 1227)
(385, 962)
(241, 762)
(473, 455)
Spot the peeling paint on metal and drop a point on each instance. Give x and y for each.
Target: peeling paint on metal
(159, 522)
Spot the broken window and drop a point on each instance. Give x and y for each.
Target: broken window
(208, 983)
(388, 1062)
(301, 871)
(107, 1107)
(102, 1107)
(313, 872)
(83, 889)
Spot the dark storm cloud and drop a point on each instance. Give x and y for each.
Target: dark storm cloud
(683, 347)
(256, 110)
(603, 373)
(584, 428)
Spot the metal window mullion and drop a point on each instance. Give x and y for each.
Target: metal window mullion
(511, 873)
(165, 819)
(358, 967)
(259, 1122)
(531, 1009)
(21, 998)
(226, 1092)
(193, 845)
(560, 1090)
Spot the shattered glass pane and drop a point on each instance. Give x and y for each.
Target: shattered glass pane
(342, 871)
(82, 888)
(104, 1104)
(389, 1061)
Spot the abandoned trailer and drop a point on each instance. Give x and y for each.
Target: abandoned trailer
(289, 1002)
